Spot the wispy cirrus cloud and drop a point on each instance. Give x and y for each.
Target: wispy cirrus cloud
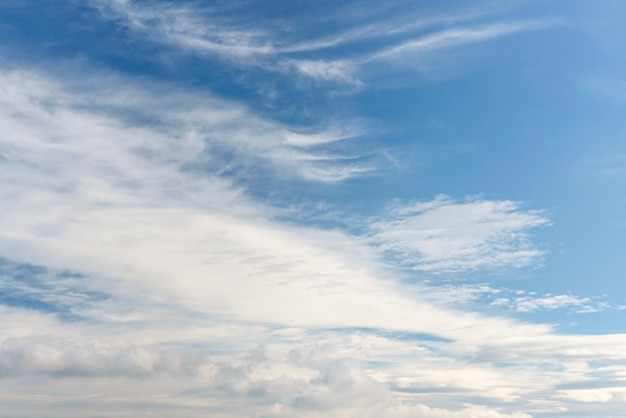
(399, 39)
(452, 38)
(186, 26)
(199, 132)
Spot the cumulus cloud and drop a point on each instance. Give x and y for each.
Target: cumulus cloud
(55, 357)
(257, 384)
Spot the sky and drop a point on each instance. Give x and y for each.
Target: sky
(293, 208)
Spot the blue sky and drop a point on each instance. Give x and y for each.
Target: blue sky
(312, 209)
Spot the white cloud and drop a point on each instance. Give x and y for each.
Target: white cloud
(269, 45)
(601, 395)
(187, 26)
(452, 38)
(445, 235)
(262, 383)
(461, 294)
(46, 356)
(534, 303)
(548, 302)
(194, 131)
(501, 297)
(500, 302)
(339, 71)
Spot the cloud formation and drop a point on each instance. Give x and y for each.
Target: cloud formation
(444, 235)
(144, 269)
(276, 47)
(122, 209)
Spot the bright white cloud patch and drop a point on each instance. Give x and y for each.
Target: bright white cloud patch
(445, 235)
